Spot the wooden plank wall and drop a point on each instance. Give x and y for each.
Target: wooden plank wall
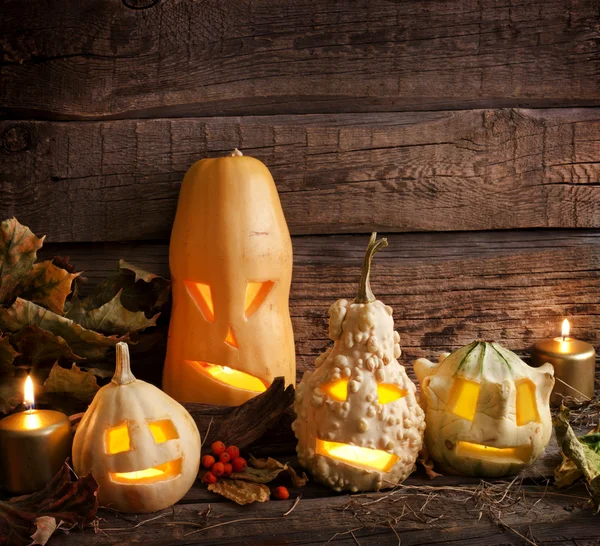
(466, 130)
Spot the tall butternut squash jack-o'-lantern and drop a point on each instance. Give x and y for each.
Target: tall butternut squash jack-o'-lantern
(231, 263)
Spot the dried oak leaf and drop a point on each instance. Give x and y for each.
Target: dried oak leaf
(72, 502)
(583, 452)
(84, 342)
(240, 491)
(111, 318)
(47, 285)
(76, 382)
(266, 470)
(7, 356)
(39, 347)
(18, 252)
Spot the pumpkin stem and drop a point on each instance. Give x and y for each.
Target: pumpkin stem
(123, 375)
(236, 153)
(364, 286)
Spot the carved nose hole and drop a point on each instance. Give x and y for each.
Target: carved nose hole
(230, 339)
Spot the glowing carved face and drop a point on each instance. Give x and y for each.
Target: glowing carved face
(256, 293)
(142, 446)
(117, 440)
(359, 425)
(487, 412)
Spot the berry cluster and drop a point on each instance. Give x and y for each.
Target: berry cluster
(226, 460)
(229, 461)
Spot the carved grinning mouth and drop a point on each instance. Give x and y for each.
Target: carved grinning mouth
(155, 474)
(482, 452)
(362, 457)
(230, 377)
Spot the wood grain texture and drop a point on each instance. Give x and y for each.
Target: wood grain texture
(471, 170)
(417, 518)
(446, 288)
(107, 58)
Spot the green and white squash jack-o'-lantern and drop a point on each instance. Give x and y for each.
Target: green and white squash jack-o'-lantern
(487, 412)
(359, 425)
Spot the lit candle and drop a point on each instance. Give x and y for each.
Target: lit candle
(33, 446)
(574, 364)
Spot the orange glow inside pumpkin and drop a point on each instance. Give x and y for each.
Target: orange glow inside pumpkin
(498, 454)
(230, 339)
(256, 293)
(387, 393)
(363, 457)
(149, 475)
(230, 377)
(338, 390)
(527, 410)
(463, 399)
(118, 441)
(202, 295)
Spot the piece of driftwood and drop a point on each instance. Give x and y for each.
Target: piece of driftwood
(340, 173)
(246, 424)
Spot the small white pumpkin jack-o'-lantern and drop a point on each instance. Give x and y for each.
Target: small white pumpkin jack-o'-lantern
(487, 412)
(359, 425)
(142, 446)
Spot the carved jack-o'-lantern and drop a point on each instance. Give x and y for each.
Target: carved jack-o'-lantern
(487, 412)
(142, 447)
(231, 263)
(359, 425)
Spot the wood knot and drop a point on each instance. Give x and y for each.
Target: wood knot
(140, 4)
(16, 139)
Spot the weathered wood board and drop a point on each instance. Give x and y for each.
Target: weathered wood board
(144, 58)
(446, 288)
(471, 170)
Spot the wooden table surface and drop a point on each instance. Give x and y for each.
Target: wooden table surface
(525, 509)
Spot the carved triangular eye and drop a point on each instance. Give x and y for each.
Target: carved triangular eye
(337, 390)
(256, 293)
(387, 393)
(202, 295)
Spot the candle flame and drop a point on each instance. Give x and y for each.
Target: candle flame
(566, 328)
(28, 398)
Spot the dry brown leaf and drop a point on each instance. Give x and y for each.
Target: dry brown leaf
(64, 500)
(41, 347)
(80, 384)
(240, 491)
(45, 527)
(18, 252)
(86, 343)
(266, 470)
(48, 285)
(7, 356)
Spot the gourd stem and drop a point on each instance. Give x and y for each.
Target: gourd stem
(235, 153)
(123, 375)
(364, 286)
